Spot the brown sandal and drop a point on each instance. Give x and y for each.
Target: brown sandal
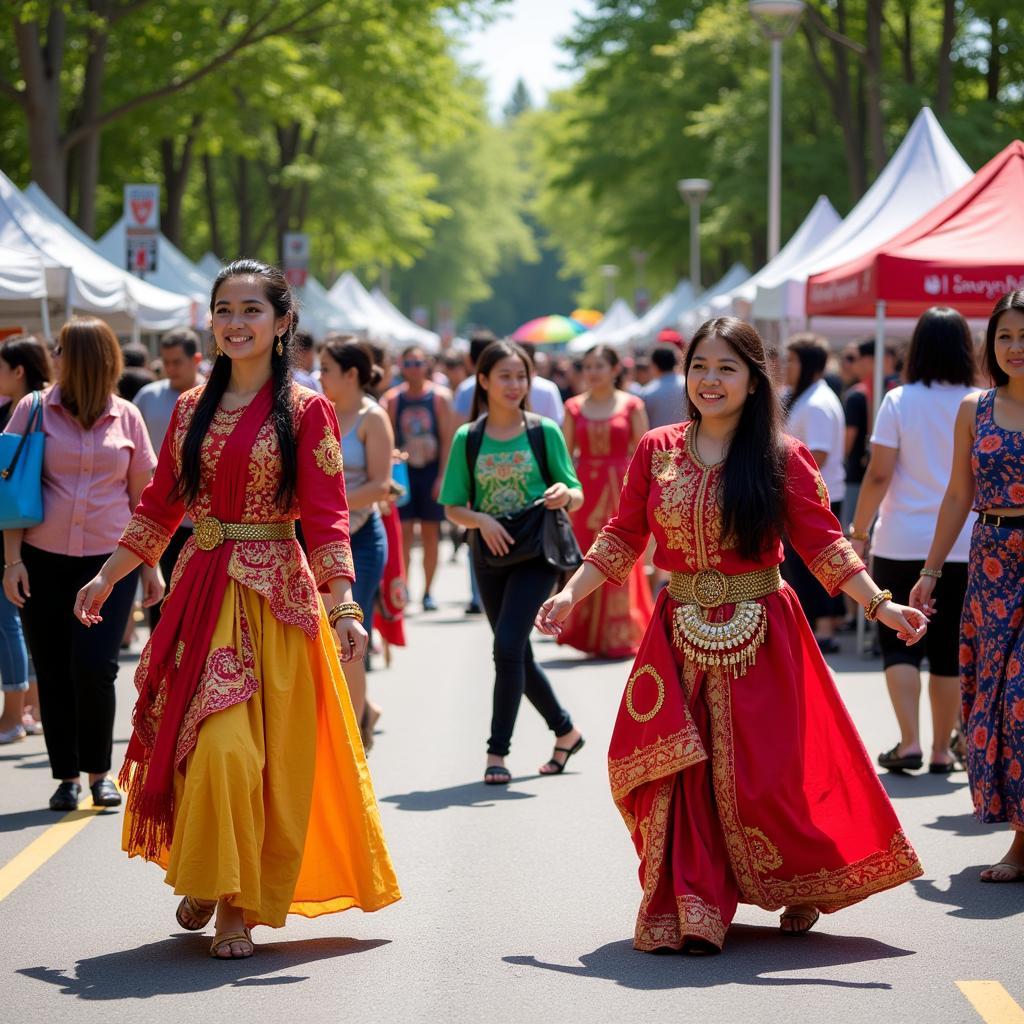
(220, 941)
(199, 913)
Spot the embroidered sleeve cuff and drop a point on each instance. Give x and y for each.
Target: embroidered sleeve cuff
(332, 561)
(835, 565)
(145, 538)
(614, 557)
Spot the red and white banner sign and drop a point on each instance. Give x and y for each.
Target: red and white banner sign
(296, 257)
(142, 207)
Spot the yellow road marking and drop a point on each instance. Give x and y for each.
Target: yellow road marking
(993, 1003)
(41, 849)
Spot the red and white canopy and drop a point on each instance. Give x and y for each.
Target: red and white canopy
(965, 253)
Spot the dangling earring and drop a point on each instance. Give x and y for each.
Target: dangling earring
(217, 353)
(279, 348)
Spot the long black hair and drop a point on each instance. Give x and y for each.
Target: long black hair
(754, 474)
(1011, 300)
(279, 295)
(348, 351)
(492, 355)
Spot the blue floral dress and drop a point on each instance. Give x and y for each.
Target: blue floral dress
(991, 644)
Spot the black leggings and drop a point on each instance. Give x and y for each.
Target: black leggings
(76, 667)
(511, 598)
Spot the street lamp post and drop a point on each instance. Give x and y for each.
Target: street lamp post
(609, 271)
(778, 20)
(694, 191)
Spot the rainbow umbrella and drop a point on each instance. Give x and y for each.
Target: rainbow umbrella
(548, 330)
(590, 318)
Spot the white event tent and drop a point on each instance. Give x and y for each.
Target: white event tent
(174, 270)
(23, 295)
(318, 314)
(690, 319)
(356, 308)
(816, 227)
(407, 332)
(78, 278)
(619, 315)
(664, 313)
(922, 172)
(209, 265)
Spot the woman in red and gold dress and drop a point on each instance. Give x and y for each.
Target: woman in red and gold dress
(603, 425)
(733, 761)
(246, 778)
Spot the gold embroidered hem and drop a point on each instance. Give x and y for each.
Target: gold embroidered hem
(614, 557)
(145, 538)
(694, 919)
(665, 756)
(332, 561)
(835, 565)
(277, 571)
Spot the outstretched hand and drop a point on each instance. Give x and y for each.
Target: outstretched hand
(910, 624)
(553, 613)
(91, 599)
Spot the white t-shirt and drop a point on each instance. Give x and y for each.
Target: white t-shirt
(918, 420)
(545, 398)
(817, 419)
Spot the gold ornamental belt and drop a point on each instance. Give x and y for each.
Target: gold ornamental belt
(732, 643)
(210, 532)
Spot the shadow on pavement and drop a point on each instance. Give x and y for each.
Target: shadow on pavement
(750, 954)
(25, 760)
(900, 785)
(961, 825)
(582, 662)
(469, 794)
(32, 819)
(972, 899)
(182, 965)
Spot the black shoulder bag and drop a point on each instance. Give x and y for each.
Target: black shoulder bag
(538, 532)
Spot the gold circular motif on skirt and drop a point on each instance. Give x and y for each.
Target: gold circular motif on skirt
(647, 715)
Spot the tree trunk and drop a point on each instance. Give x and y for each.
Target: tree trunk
(994, 70)
(176, 171)
(41, 66)
(87, 152)
(244, 209)
(907, 46)
(873, 85)
(210, 189)
(944, 93)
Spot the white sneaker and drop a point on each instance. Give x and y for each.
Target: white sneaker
(31, 726)
(12, 735)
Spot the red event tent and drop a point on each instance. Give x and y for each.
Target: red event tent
(966, 253)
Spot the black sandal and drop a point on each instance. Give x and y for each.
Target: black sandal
(497, 775)
(559, 766)
(699, 947)
(891, 761)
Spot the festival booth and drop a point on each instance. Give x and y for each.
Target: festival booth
(664, 313)
(317, 312)
(356, 308)
(174, 270)
(78, 278)
(923, 171)
(816, 227)
(965, 253)
(692, 318)
(618, 317)
(209, 266)
(407, 332)
(23, 294)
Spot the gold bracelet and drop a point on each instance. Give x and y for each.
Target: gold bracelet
(345, 610)
(871, 612)
(11, 565)
(936, 574)
(857, 534)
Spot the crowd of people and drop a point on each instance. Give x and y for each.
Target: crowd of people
(720, 502)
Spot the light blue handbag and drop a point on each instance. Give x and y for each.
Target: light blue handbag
(21, 472)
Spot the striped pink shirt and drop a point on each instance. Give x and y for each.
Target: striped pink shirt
(88, 475)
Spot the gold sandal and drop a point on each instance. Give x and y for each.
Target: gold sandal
(220, 941)
(200, 914)
(807, 916)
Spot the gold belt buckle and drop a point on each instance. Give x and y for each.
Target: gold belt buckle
(710, 588)
(209, 533)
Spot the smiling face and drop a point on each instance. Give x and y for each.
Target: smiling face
(1009, 344)
(245, 325)
(718, 380)
(507, 385)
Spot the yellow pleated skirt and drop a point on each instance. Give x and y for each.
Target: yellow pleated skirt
(275, 809)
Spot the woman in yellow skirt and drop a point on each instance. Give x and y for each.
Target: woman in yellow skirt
(226, 790)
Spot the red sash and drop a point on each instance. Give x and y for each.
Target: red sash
(181, 642)
(393, 592)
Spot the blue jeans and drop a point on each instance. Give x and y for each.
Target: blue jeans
(369, 553)
(13, 653)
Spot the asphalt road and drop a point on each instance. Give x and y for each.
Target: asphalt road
(519, 904)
